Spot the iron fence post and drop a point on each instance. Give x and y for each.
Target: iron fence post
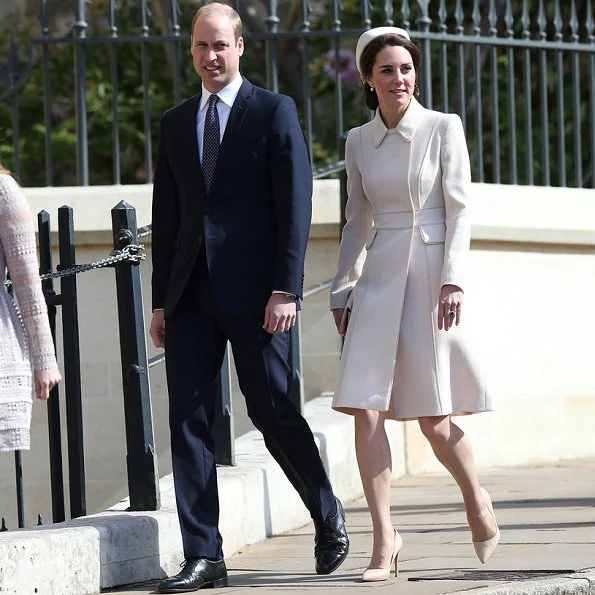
(141, 460)
(18, 472)
(80, 94)
(13, 64)
(272, 24)
(53, 406)
(72, 366)
(113, 53)
(424, 22)
(44, 19)
(336, 23)
(144, 13)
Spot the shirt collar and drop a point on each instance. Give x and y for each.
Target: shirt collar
(406, 128)
(228, 94)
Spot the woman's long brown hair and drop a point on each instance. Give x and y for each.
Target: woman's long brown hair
(3, 170)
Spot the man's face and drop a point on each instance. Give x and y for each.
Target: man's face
(216, 52)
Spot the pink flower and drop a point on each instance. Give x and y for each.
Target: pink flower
(348, 69)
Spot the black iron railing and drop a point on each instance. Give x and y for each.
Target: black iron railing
(67, 300)
(521, 74)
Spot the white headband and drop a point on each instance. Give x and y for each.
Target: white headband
(367, 36)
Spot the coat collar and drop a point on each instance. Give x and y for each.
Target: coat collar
(406, 128)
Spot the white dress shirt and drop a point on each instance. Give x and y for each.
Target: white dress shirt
(227, 96)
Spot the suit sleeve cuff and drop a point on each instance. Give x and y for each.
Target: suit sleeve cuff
(291, 295)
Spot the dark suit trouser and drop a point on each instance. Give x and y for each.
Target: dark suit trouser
(196, 338)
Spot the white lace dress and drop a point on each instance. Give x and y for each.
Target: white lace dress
(25, 339)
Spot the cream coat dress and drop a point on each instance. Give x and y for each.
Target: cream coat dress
(407, 234)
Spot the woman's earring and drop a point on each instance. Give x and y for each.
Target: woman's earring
(371, 88)
(416, 90)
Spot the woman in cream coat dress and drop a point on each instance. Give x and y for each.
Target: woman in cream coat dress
(401, 275)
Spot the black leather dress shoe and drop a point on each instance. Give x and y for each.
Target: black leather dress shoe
(331, 544)
(196, 573)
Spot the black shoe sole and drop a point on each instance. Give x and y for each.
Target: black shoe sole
(220, 582)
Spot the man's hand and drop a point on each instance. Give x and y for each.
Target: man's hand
(157, 328)
(279, 315)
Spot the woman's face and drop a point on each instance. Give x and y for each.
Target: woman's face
(393, 78)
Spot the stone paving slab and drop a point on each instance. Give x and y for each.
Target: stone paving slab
(546, 515)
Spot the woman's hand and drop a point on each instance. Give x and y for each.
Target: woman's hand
(45, 380)
(338, 316)
(449, 306)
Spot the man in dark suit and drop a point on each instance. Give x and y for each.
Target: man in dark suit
(231, 217)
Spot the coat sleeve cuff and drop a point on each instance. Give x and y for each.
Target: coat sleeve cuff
(340, 297)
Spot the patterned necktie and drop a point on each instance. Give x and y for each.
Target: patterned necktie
(210, 141)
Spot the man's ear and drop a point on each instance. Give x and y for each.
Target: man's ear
(241, 46)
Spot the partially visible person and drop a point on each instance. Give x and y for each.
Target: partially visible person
(401, 271)
(27, 357)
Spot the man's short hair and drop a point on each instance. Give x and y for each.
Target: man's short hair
(220, 9)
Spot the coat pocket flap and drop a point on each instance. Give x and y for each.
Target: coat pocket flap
(433, 234)
(346, 314)
(349, 303)
(371, 238)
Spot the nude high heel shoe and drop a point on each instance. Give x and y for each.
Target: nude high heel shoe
(381, 574)
(484, 549)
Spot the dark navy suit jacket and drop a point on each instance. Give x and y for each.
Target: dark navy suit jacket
(253, 225)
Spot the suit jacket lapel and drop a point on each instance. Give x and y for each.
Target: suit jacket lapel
(234, 124)
(189, 147)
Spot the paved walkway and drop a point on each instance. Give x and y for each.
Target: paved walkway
(546, 515)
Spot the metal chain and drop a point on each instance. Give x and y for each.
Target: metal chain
(133, 253)
(332, 168)
(141, 232)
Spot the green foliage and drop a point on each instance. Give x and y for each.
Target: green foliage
(128, 108)
(135, 103)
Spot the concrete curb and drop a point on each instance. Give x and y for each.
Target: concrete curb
(116, 547)
(577, 583)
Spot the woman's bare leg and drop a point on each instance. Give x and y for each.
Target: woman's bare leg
(453, 449)
(374, 462)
